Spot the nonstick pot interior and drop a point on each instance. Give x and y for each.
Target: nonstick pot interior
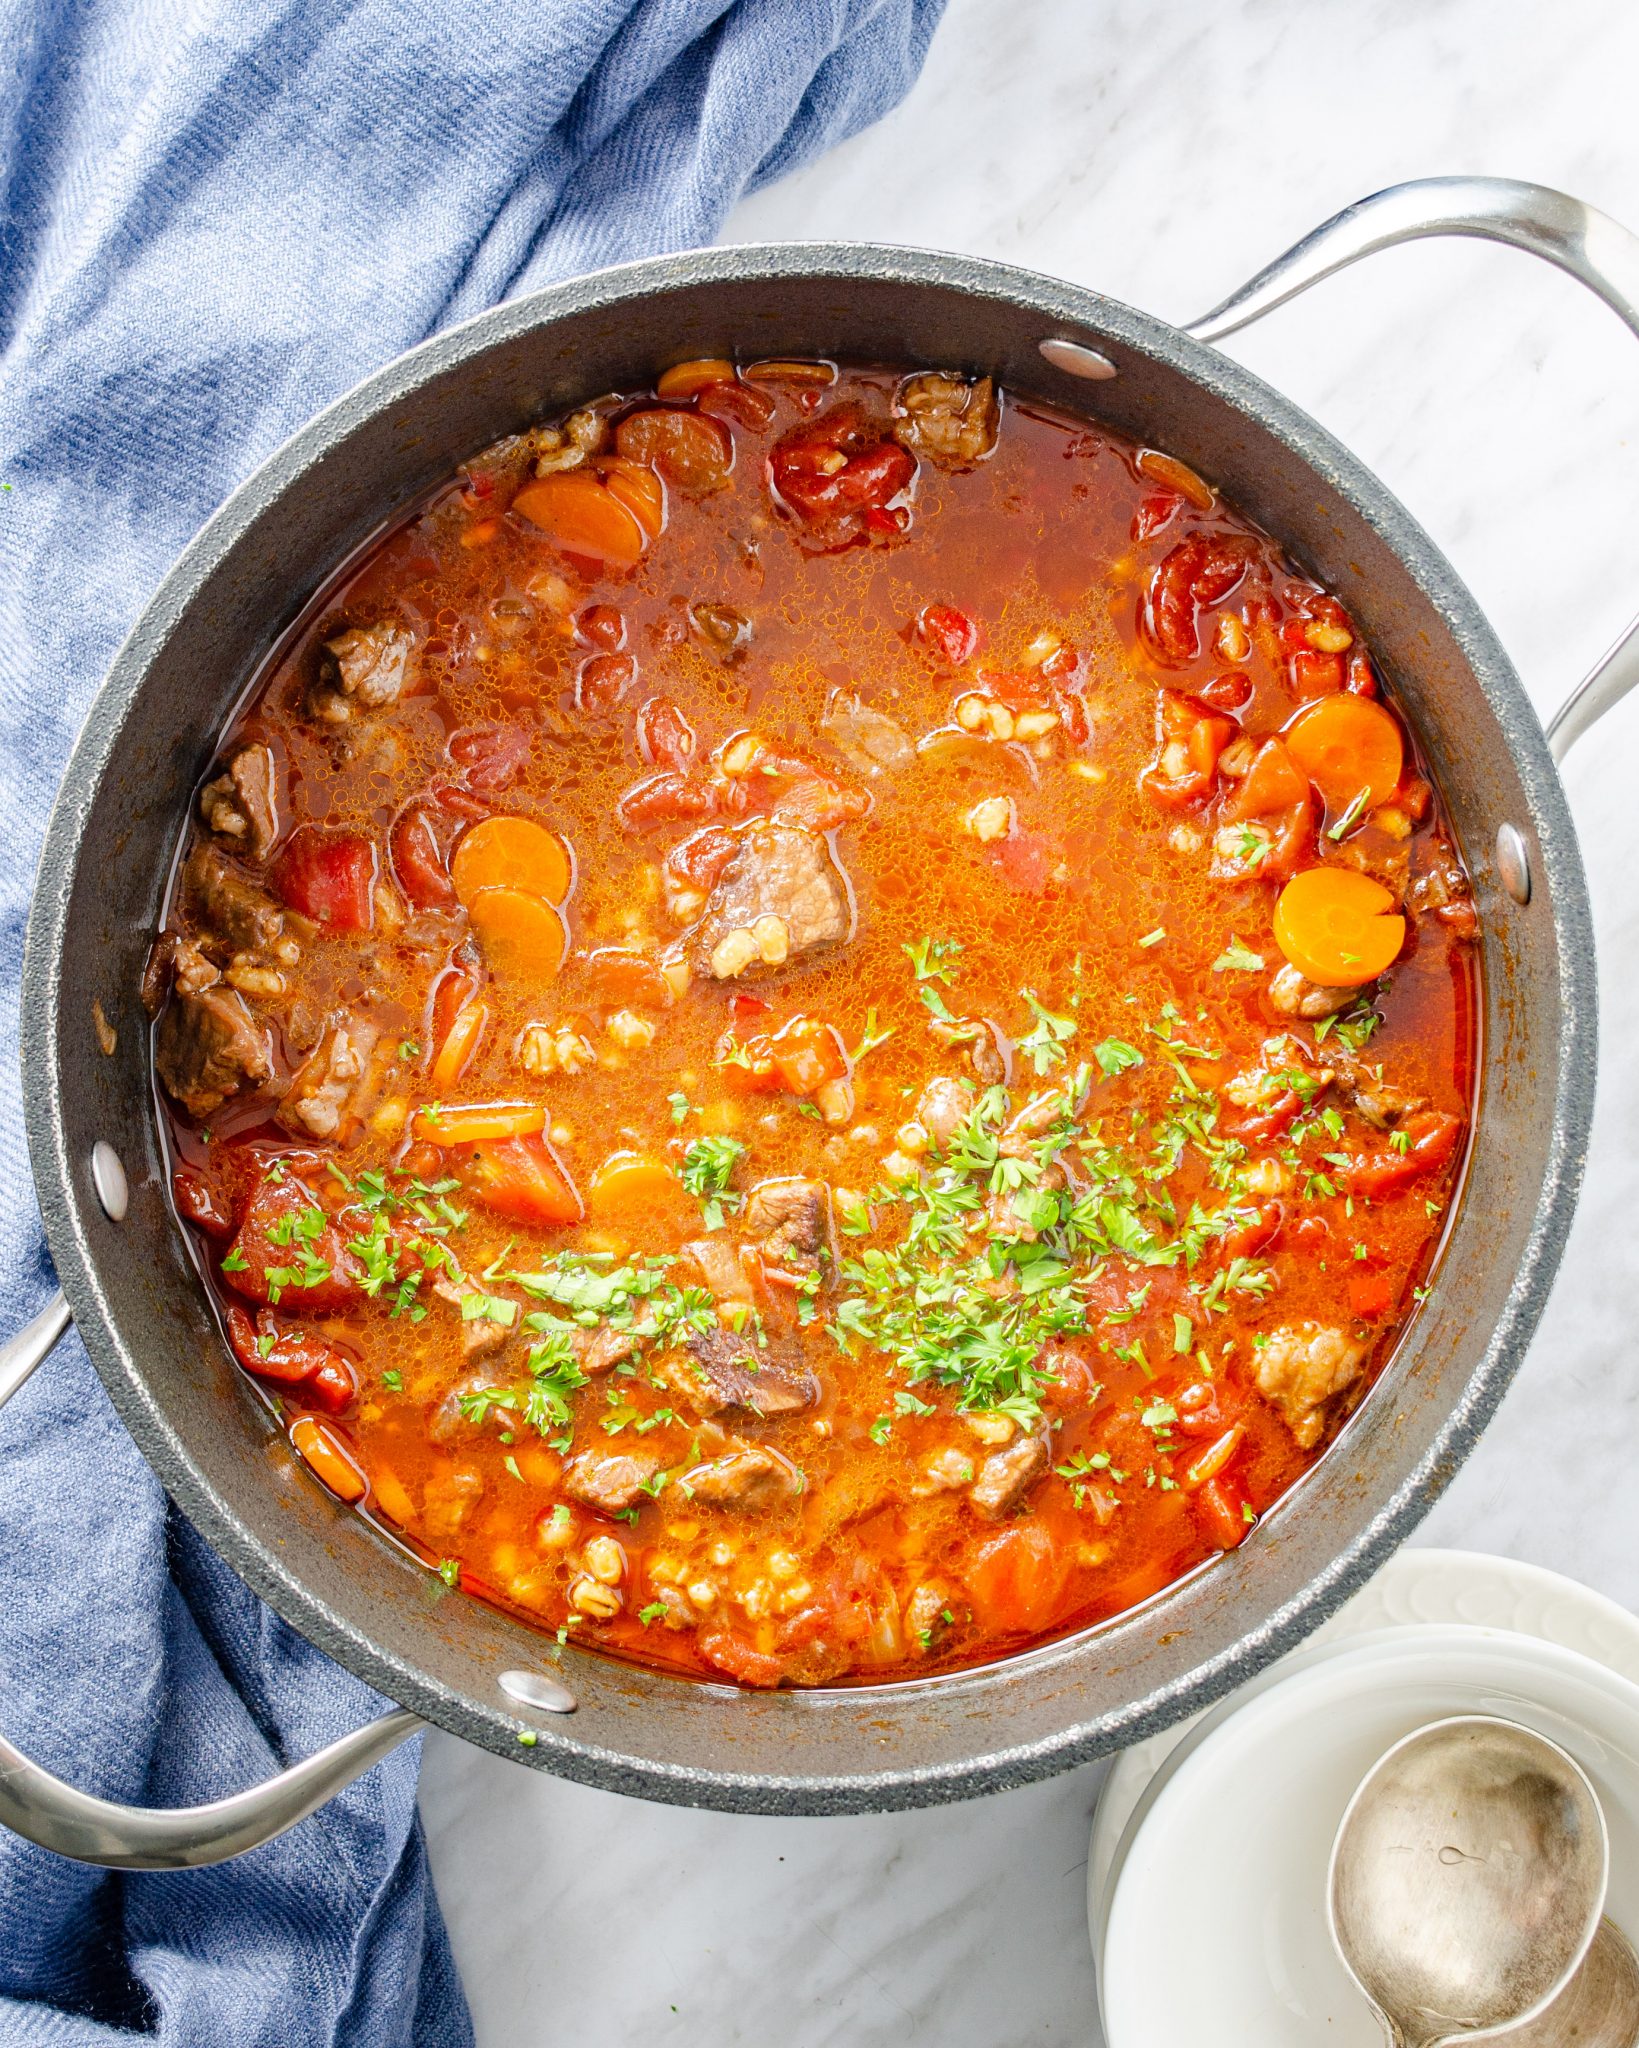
(138, 1302)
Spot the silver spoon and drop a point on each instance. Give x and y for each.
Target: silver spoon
(1467, 1880)
(1599, 2008)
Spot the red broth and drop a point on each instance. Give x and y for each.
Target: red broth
(819, 1026)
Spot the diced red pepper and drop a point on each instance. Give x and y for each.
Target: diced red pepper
(198, 1202)
(329, 876)
(1154, 512)
(1222, 1508)
(1371, 1293)
(287, 1244)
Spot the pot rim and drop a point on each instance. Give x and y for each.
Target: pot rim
(66, 1198)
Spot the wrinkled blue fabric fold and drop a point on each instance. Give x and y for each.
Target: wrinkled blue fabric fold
(215, 216)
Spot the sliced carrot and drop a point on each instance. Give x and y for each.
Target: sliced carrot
(476, 1123)
(639, 489)
(389, 1495)
(1338, 927)
(523, 937)
(683, 380)
(1350, 749)
(1273, 783)
(630, 1184)
(460, 1043)
(328, 1457)
(575, 509)
(511, 853)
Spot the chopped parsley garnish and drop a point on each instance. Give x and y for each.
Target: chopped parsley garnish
(1043, 1046)
(708, 1167)
(1115, 1056)
(871, 1037)
(930, 959)
(680, 1106)
(1236, 958)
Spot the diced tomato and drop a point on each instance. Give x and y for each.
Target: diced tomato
(1256, 1235)
(833, 498)
(1230, 692)
(1371, 1293)
(1199, 571)
(198, 1202)
(951, 636)
(1258, 1126)
(1026, 859)
(622, 979)
(701, 858)
(603, 680)
(1429, 1141)
(733, 1654)
(1313, 674)
(452, 992)
(1203, 1408)
(1273, 783)
(744, 1004)
(292, 1357)
(601, 626)
(490, 754)
(1155, 512)
(664, 735)
(288, 1246)
(329, 876)
(522, 1178)
(1192, 736)
(799, 1058)
(1017, 1579)
(418, 861)
(1362, 676)
(1222, 1509)
(666, 799)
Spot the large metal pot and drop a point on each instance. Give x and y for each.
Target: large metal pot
(92, 1120)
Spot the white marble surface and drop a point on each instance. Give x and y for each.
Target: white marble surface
(1161, 153)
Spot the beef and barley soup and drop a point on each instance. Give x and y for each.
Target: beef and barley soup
(817, 1026)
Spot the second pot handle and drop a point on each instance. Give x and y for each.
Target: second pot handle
(1596, 250)
(50, 1812)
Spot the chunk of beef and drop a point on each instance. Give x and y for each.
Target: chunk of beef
(208, 1047)
(946, 419)
(231, 913)
(1301, 1368)
(868, 740)
(1364, 1087)
(720, 1369)
(1007, 1475)
(449, 1422)
(363, 669)
(718, 1263)
(790, 1220)
(611, 1484)
(242, 803)
(1296, 996)
(480, 1335)
(943, 1107)
(601, 1350)
(781, 896)
(745, 1476)
(336, 1086)
(175, 962)
(929, 1612)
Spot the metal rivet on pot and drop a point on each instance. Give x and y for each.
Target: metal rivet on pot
(1513, 863)
(1076, 359)
(108, 1178)
(535, 1689)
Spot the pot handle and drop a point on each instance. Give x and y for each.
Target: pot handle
(1596, 250)
(50, 1812)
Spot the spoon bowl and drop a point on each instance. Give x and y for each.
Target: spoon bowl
(1467, 1879)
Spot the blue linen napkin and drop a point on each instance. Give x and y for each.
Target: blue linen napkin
(215, 215)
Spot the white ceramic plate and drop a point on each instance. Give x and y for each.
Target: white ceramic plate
(1216, 1922)
(1414, 1586)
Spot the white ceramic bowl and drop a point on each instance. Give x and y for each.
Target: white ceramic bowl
(1215, 1928)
